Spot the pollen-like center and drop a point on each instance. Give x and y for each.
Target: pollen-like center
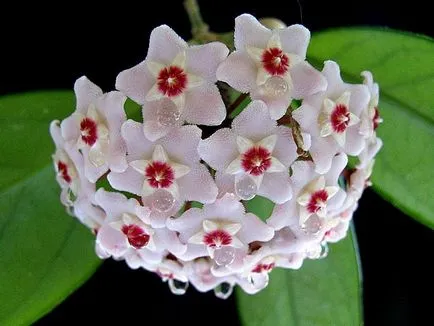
(137, 237)
(275, 61)
(217, 238)
(340, 118)
(263, 268)
(62, 169)
(376, 120)
(317, 200)
(89, 131)
(256, 160)
(159, 174)
(172, 81)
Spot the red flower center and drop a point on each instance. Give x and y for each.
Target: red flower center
(263, 268)
(137, 237)
(217, 238)
(88, 130)
(317, 200)
(159, 174)
(340, 118)
(256, 160)
(376, 119)
(275, 62)
(172, 81)
(62, 169)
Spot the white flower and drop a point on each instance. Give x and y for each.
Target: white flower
(95, 129)
(370, 118)
(270, 64)
(164, 173)
(253, 157)
(221, 230)
(175, 83)
(332, 118)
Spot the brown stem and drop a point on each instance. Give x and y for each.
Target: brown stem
(237, 102)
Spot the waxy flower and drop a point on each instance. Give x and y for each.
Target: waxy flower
(316, 198)
(69, 167)
(332, 118)
(164, 173)
(175, 83)
(270, 64)
(127, 226)
(370, 118)
(253, 157)
(95, 129)
(218, 230)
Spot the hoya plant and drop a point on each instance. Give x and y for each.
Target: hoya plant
(228, 162)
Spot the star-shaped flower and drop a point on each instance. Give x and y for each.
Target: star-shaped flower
(316, 197)
(332, 118)
(166, 172)
(175, 83)
(69, 167)
(221, 230)
(370, 118)
(253, 157)
(127, 226)
(95, 129)
(270, 64)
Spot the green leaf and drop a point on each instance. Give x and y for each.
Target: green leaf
(322, 292)
(45, 254)
(403, 65)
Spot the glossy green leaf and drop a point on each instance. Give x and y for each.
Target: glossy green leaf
(322, 292)
(45, 254)
(403, 65)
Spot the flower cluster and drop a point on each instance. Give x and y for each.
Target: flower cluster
(162, 197)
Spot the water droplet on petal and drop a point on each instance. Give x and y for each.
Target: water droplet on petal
(177, 287)
(168, 114)
(324, 250)
(275, 86)
(246, 188)
(259, 280)
(224, 256)
(312, 225)
(223, 290)
(162, 200)
(98, 153)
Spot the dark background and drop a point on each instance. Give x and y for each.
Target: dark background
(51, 46)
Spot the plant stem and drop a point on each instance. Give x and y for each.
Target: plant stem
(198, 27)
(237, 102)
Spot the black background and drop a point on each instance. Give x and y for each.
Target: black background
(49, 46)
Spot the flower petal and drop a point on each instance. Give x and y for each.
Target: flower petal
(306, 80)
(249, 31)
(138, 146)
(86, 93)
(181, 145)
(198, 185)
(165, 45)
(135, 82)
(203, 60)
(295, 39)
(322, 151)
(219, 150)
(239, 71)
(204, 105)
(129, 180)
(254, 122)
(254, 230)
(276, 187)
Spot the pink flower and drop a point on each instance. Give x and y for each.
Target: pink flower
(175, 83)
(332, 118)
(253, 157)
(166, 172)
(270, 64)
(316, 198)
(221, 230)
(95, 129)
(370, 117)
(127, 226)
